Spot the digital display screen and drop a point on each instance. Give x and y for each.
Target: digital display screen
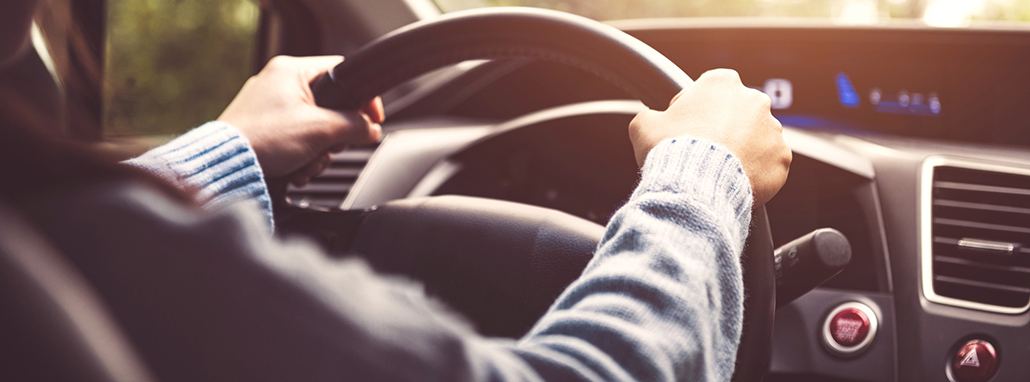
(893, 100)
(948, 85)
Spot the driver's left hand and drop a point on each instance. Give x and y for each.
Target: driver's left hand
(292, 136)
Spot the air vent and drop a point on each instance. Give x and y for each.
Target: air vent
(977, 248)
(330, 189)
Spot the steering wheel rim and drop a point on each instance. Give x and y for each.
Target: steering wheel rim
(502, 32)
(516, 32)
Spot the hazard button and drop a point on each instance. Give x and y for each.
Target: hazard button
(976, 361)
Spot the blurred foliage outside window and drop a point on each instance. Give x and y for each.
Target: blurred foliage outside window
(933, 12)
(172, 65)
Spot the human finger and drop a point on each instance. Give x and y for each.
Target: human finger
(374, 110)
(314, 66)
(302, 177)
(351, 128)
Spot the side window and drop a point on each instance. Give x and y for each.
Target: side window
(172, 65)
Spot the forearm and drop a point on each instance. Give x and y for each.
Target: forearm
(662, 298)
(216, 161)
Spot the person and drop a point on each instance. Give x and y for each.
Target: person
(209, 294)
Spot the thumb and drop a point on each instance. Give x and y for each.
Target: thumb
(350, 128)
(313, 67)
(677, 97)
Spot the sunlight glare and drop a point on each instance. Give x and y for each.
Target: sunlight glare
(951, 13)
(859, 12)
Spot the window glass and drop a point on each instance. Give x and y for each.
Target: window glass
(174, 64)
(933, 12)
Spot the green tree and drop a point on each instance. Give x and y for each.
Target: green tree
(174, 64)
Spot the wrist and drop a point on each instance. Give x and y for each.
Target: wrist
(708, 172)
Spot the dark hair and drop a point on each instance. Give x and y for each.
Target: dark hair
(35, 159)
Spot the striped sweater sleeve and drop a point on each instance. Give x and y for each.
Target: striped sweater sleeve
(217, 161)
(662, 299)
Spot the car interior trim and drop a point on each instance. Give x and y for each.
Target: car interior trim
(827, 152)
(405, 157)
(440, 173)
(926, 225)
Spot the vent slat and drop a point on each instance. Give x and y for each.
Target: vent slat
(982, 216)
(954, 242)
(981, 188)
(341, 172)
(970, 224)
(981, 284)
(958, 261)
(981, 236)
(981, 206)
(315, 201)
(984, 234)
(329, 189)
(994, 199)
(322, 188)
(353, 156)
(984, 273)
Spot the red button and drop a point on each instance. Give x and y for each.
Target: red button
(976, 361)
(849, 327)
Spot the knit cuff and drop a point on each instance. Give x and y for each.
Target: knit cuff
(216, 160)
(709, 173)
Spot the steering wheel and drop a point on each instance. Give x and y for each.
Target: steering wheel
(614, 56)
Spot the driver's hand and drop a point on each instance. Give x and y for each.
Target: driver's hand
(292, 136)
(718, 107)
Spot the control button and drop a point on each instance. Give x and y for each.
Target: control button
(904, 98)
(934, 103)
(976, 361)
(780, 92)
(849, 328)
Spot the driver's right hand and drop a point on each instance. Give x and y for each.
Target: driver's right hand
(719, 108)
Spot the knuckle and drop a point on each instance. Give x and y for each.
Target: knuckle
(636, 126)
(763, 100)
(279, 62)
(359, 128)
(725, 75)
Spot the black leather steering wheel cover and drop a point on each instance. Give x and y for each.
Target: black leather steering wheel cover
(757, 263)
(504, 32)
(550, 35)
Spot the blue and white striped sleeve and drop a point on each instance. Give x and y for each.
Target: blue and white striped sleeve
(216, 160)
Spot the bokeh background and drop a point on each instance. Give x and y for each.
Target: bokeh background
(174, 64)
(845, 10)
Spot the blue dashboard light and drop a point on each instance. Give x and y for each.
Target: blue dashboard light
(848, 95)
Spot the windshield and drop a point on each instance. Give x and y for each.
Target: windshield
(946, 13)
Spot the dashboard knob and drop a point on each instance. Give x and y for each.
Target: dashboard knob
(976, 361)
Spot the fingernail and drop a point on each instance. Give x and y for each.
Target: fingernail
(381, 112)
(377, 133)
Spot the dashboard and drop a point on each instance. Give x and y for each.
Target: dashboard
(913, 142)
